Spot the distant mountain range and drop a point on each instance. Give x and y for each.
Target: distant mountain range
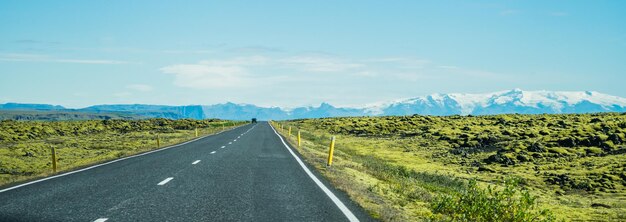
(512, 101)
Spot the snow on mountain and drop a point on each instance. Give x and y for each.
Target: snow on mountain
(512, 101)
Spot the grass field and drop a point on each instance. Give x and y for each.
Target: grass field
(571, 167)
(25, 146)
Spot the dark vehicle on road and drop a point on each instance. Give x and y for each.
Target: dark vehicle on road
(253, 120)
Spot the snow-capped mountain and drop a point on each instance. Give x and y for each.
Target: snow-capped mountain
(512, 101)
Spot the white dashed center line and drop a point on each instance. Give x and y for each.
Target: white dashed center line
(230, 142)
(195, 162)
(101, 220)
(223, 147)
(213, 152)
(165, 181)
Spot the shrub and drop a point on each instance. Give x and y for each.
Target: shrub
(477, 204)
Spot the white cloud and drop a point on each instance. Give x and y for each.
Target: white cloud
(187, 51)
(408, 63)
(203, 76)
(295, 73)
(236, 72)
(140, 87)
(239, 61)
(319, 64)
(17, 57)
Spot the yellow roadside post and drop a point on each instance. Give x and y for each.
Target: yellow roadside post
(330, 152)
(158, 141)
(196, 132)
(289, 131)
(222, 126)
(298, 138)
(54, 159)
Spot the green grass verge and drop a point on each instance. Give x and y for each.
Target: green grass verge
(25, 146)
(397, 167)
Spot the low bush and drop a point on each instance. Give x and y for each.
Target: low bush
(478, 204)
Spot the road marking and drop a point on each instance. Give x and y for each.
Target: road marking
(223, 147)
(213, 152)
(319, 183)
(165, 181)
(113, 161)
(101, 220)
(230, 142)
(235, 140)
(195, 162)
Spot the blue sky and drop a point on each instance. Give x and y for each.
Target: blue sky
(292, 53)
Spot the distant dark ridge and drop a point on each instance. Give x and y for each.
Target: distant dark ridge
(61, 115)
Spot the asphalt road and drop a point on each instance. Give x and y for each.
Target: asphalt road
(245, 174)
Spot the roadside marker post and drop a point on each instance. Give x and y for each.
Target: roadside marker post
(196, 132)
(289, 131)
(298, 138)
(330, 152)
(222, 126)
(158, 141)
(54, 159)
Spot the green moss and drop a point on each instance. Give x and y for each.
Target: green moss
(558, 150)
(593, 150)
(25, 146)
(563, 159)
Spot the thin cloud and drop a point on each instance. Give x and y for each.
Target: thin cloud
(203, 76)
(235, 72)
(256, 49)
(16, 57)
(319, 64)
(403, 62)
(33, 41)
(188, 51)
(249, 72)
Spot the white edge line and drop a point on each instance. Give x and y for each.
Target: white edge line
(319, 183)
(195, 162)
(101, 220)
(110, 162)
(165, 181)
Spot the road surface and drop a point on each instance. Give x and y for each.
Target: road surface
(244, 174)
